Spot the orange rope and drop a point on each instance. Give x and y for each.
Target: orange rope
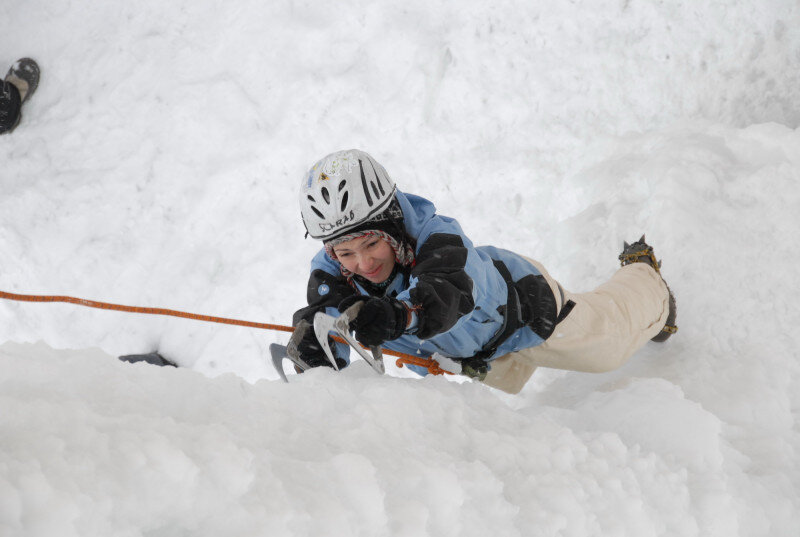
(136, 309)
(431, 365)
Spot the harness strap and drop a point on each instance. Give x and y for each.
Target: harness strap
(565, 310)
(512, 316)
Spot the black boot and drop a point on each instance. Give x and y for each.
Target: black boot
(641, 252)
(25, 75)
(10, 104)
(18, 86)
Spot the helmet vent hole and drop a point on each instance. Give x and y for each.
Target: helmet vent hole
(375, 190)
(377, 178)
(344, 201)
(326, 195)
(316, 211)
(311, 199)
(342, 185)
(364, 183)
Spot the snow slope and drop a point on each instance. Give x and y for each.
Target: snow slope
(157, 165)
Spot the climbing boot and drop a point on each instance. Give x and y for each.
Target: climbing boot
(19, 84)
(10, 105)
(24, 74)
(641, 252)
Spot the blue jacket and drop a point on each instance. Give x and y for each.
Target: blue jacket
(472, 300)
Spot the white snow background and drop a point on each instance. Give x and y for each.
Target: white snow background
(158, 165)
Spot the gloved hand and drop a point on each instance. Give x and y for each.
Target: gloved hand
(473, 367)
(305, 345)
(379, 320)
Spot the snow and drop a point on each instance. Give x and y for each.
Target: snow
(157, 165)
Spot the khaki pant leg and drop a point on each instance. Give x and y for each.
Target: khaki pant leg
(602, 331)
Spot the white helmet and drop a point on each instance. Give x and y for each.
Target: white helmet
(342, 191)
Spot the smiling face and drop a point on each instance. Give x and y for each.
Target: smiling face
(370, 257)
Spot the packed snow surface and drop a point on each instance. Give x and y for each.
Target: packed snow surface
(158, 164)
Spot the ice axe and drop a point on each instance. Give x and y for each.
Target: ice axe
(324, 324)
(278, 353)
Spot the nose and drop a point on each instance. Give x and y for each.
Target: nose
(366, 263)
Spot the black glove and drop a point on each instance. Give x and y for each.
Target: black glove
(305, 345)
(379, 320)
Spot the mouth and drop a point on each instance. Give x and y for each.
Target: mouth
(374, 273)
